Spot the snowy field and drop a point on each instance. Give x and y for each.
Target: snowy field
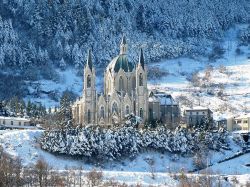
(23, 144)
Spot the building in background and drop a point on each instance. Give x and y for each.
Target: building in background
(238, 123)
(197, 115)
(163, 107)
(14, 122)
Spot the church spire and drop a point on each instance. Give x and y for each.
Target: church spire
(123, 40)
(141, 59)
(123, 46)
(89, 60)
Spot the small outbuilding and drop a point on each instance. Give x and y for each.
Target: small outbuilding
(14, 122)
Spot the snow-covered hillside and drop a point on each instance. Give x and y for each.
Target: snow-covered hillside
(47, 92)
(24, 144)
(229, 74)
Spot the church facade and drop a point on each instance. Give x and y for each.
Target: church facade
(125, 91)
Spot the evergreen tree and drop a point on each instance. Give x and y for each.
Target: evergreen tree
(22, 107)
(49, 111)
(140, 19)
(62, 64)
(29, 109)
(2, 111)
(65, 113)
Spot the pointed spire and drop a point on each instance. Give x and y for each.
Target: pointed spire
(123, 46)
(141, 59)
(89, 60)
(123, 40)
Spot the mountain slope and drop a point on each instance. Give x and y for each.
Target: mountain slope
(39, 36)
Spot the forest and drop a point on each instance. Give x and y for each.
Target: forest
(37, 37)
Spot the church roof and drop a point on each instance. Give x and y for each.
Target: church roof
(120, 62)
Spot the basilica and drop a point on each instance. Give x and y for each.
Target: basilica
(125, 92)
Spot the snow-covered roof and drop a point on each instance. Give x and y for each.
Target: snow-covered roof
(243, 116)
(14, 118)
(230, 116)
(153, 99)
(241, 132)
(20, 127)
(198, 108)
(162, 98)
(223, 117)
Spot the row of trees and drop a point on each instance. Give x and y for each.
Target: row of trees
(62, 31)
(112, 144)
(18, 107)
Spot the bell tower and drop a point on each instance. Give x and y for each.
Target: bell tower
(89, 91)
(141, 89)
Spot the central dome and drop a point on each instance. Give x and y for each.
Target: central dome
(120, 62)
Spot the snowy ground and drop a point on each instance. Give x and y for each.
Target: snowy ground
(67, 80)
(23, 144)
(47, 89)
(236, 79)
(237, 166)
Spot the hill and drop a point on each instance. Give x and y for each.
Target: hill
(40, 39)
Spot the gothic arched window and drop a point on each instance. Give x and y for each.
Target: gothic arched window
(115, 108)
(102, 112)
(88, 81)
(141, 112)
(127, 110)
(89, 117)
(121, 84)
(140, 79)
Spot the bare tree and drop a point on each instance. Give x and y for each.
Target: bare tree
(10, 170)
(94, 178)
(42, 172)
